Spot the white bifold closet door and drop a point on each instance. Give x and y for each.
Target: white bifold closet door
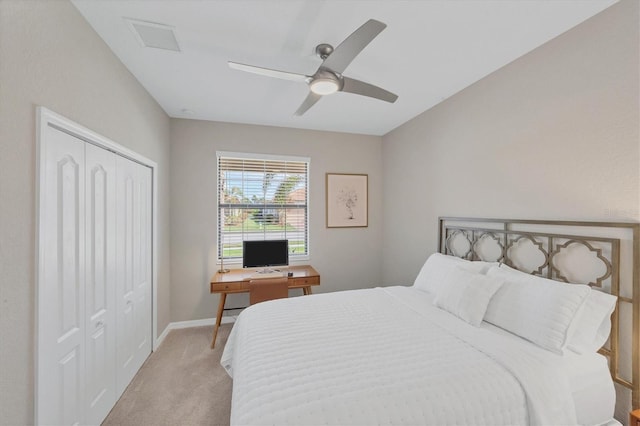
(94, 291)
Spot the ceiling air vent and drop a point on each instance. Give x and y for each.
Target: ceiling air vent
(151, 34)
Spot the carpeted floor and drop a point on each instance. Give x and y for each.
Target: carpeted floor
(182, 383)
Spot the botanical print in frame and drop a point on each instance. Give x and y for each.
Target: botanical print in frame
(347, 200)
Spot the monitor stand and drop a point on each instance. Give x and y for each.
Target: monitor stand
(267, 273)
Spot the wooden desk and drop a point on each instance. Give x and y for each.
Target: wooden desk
(237, 281)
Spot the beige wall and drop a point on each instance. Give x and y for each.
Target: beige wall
(50, 56)
(553, 135)
(345, 258)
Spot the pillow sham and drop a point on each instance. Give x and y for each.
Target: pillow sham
(591, 326)
(593, 323)
(467, 294)
(438, 266)
(537, 309)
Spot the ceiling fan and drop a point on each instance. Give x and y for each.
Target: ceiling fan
(328, 78)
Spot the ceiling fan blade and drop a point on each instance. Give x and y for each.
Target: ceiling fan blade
(346, 52)
(310, 101)
(365, 89)
(284, 75)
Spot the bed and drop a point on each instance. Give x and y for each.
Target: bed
(472, 341)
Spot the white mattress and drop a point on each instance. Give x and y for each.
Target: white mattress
(387, 356)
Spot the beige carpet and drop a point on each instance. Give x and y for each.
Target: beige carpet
(182, 383)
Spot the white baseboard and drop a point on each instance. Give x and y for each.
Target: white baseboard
(193, 323)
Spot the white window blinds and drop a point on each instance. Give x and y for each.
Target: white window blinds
(262, 199)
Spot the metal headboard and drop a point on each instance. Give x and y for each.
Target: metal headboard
(551, 240)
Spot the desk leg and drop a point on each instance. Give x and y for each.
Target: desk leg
(306, 290)
(223, 298)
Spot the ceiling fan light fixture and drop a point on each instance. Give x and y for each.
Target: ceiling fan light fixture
(324, 86)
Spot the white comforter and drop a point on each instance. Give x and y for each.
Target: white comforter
(385, 356)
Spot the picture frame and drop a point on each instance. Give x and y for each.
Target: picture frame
(347, 200)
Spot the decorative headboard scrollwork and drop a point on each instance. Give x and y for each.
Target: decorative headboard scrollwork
(549, 247)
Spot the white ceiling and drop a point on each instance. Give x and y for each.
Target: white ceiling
(430, 50)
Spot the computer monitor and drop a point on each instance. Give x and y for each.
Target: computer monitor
(267, 253)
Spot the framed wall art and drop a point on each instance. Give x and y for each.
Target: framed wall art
(347, 200)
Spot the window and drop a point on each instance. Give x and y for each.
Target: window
(262, 197)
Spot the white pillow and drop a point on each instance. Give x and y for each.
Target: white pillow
(534, 308)
(467, 294)
(593, 323)
(438, 266)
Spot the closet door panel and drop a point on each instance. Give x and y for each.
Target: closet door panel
(61, 291)
(133, 262)
(125, 350)
(100, 282)
(142, 249)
